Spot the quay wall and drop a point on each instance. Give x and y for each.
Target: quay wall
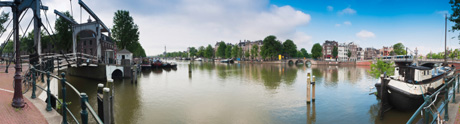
(98, 73)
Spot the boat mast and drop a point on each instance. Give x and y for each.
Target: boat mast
(445, 41)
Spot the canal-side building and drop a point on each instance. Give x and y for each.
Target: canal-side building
(385, 51)
(124, 55)
(342, 50)
(328, 46)
(360, 53)
(370, 53)
(86, 43)
(247, 45)
(353, 48)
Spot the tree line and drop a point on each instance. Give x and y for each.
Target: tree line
(270, 49)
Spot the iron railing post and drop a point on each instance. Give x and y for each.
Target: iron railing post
(453, 89)
(64, 117)
(84, 112)
(43, 79)
(458, 85)
(34, 88)
(446, 109)
(426, 111)
(48, 92)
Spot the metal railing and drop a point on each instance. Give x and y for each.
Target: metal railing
(47, 69)
(449, 88)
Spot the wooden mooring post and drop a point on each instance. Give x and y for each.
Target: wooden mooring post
(100, 104)
(308, 88)
(111, 85)
(313, 89)
(106, 106)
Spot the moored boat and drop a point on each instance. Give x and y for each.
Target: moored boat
(405, 90)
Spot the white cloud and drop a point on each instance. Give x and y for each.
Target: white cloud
(347, 23)
(347, 10)
(337, 25)
(330, 8)
(179, 24)
(364, 34)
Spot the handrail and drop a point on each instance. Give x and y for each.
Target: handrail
(444, 104)
(93, 113)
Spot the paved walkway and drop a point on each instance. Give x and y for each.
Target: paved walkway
(30, 114)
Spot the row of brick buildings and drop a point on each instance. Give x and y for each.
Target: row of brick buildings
(357, 53)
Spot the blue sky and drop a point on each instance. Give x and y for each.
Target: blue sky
(178, 24)
(414, 23)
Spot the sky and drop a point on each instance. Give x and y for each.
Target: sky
(178, 24)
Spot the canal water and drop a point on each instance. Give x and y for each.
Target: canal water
(242, 94)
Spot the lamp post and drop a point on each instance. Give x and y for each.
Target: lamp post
(18, 101)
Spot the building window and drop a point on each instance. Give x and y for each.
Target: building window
(91, 51)
(90, 42)
(84, 43)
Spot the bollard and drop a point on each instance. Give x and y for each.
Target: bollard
(100, 104)
(64, 116)
(99, 88)
(313, 89)
(34, 84)
(308, 88)
(106, 104)
(458, 85)
(446, 113)
(453, 91)
(84, 112)
(48, 92)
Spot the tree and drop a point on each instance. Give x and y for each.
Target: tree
(124, 31)
(455, 16)
(335, 52)
(289, 48)
(209, 52)
(221, 49)
(271, 47)
(3, 18)
(399, 49)
(453, 54)
(316, 51)
(246, 54)
(254, 51)
(63, 33)
(381, 67)
(192, 51)
(235, 51)
(349, 55)
(228, 51)
(200, 52)
(299, 54)
(8, 47)
(304, 53)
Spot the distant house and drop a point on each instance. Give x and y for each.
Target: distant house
(124, 55)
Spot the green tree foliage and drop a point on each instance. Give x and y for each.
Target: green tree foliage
(3, 18)
(235, 50)
(299, 54)
(316, 51)
(246, 54)
(304, 53)
(27, 43)
(221, 49)
(381, 67)
(254, 51)
(125, 33)
(193, 51)
(63, 33)
(8, 47)
(399, 49)
(349, 53)
(335, 52)
(289, 48)
(209, 52)
(455, 16)
(228, 51)
(439, 55)
(240, 52)
(200, 52)
(271, 47)
(453, 54)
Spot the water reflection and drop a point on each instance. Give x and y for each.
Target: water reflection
(311, 113)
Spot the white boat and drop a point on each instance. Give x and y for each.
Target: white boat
(405, 90)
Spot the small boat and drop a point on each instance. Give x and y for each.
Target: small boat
(165, 65)
(156, 64)
(173, 65)
(405, 90)
(198, 59)
(227, 61)
(146, 64)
